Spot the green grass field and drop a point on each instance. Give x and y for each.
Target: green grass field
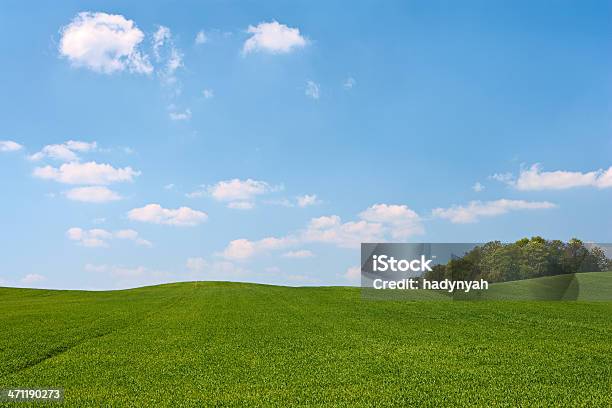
(230, 344)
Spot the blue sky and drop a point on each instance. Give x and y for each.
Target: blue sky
(135, 150)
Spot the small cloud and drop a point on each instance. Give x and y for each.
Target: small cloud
(302, 253)
(100, 220)
(201, 38)
(33, 278)
(92, 194)
(91, 173)
(169, 186)
(353, 273)
(156, 214)
(273, 38)
(65, 152)
(241, 205)
(477, 209)
(239, 194)
(185, 115)
(241, 249)
(208, 93)
(307, 200)
(535, 179)
(9, 146)
(349, 83)
(312, 90)
(477, 187)
(99, 238)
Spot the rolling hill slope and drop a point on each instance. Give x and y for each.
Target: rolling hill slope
(233, 344)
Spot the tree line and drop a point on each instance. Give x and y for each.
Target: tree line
(523, 259)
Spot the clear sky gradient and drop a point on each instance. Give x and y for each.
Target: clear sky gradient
(262, 141)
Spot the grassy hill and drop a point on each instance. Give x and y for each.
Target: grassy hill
(231, 344)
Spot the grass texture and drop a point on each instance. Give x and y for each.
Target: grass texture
(231, 344)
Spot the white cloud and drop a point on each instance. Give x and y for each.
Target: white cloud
(201, 37)
(241, 249)
(241, 205)
(399, 219)
(160, 37)
(307, 200)
(353, 273)
(349, 83)
(331, 230)
(208, 93)
(196, 265)
(165, 51)
(312, 90)
(477, 187)
(33, 278)
(302, 253)
(156, 214)
(99, 238)
(92, 194)
(65, 152)
(274, 38)
(185, 115)
(132, 235)
(104, 43)
(9, 146)
(534, 178)
(124, 276)
(477, 209)
(239, 194)
(169, 186)
(86, 173)
(200, 268)
(92, 238)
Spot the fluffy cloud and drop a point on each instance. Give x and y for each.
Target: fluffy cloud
(349, 83)
(185, 115)
(307, 200)
(399, 219)
(477, 209)
(477, 187)
(33, 278)
(92, 238)
(99, 238)
(9, 146)
(274, 38)
(241, 249)
(156, 214)
(534, 178)
(377, 223)
(92, 194)
(165, 50)
(241, 205)
(104, 43)
(201, 37)
(208, 93)
(331, 230)
(124, 276)
(86, 173)
(353, 273)
(196, 265)
(239, 194)
(200, 268)
(313, 90)
(65, 152)
(302, 253)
